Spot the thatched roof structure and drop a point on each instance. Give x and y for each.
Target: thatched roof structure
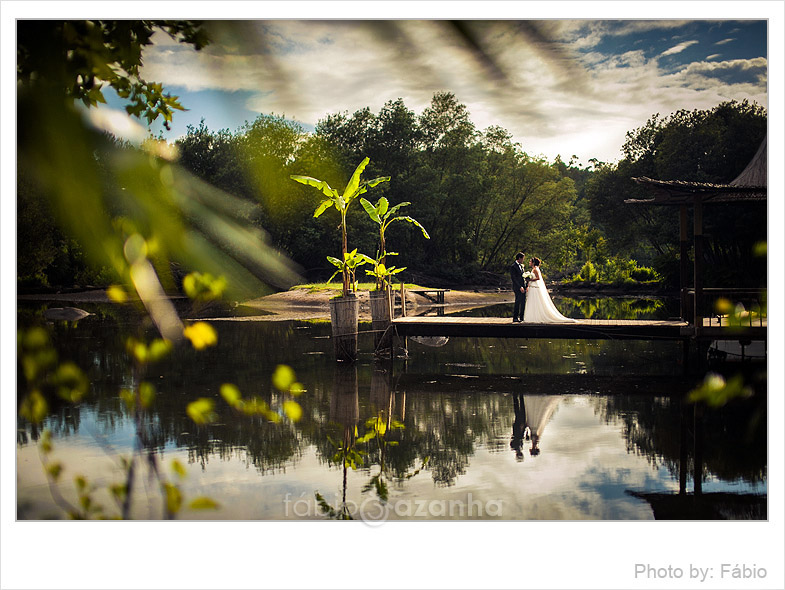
(750, 185)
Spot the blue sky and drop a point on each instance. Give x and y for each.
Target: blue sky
(567, 87)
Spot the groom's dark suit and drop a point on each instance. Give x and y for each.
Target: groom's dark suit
(516, 275)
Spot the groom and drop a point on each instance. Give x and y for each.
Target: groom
(518, 287)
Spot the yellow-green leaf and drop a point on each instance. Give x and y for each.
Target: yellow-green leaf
(723, 306)
(191, 285)
(118, 491)
(158, 349)
(128, 397)
(178, 468)
(231, 394)
(201, 335)
(35, 338)
(54, 470)
(201, 411)
(323, 206)
(716, 391)
(283, 377)
(139, 351)
(354, 182)
(203, 503)
(72, 384)
(46, 442)
(117, 294)
(34, 407)
(204, 286)
(297, 388)
(146, 394)
(293, 410)
(174, 498)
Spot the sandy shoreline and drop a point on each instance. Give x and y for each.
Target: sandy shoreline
(297, 303)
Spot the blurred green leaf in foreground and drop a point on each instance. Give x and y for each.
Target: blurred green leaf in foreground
(132, 209)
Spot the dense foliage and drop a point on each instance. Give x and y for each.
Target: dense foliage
(703, 146)
(480, 195)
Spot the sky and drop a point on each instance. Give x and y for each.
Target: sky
(560, 87)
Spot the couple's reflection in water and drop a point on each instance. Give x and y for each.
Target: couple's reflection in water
(532, 414)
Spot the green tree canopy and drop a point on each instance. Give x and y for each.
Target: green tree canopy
(78, 59)
(712, 146)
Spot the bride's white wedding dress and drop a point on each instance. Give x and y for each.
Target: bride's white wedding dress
(539, 307)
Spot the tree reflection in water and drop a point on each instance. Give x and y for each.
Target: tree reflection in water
(454, 402)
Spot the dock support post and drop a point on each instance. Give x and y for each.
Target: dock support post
(683, 446)
(686, 362)
(698, 453)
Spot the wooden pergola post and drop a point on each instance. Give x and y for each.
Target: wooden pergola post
(684, 259)
(698, 264)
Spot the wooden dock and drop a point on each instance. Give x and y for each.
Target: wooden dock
(484, 327)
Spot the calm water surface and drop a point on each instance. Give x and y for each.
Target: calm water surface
(608, 435)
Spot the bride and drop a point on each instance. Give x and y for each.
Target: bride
(539, 307)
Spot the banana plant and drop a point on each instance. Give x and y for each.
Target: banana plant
(383, 273)
(354, 188)
(384, 215)
(348, 266)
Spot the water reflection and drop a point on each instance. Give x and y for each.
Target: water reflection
(532, 414)
(618, 308)
(552, 429)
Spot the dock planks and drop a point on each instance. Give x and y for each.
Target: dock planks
(488, 327)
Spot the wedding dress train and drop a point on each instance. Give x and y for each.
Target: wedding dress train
(539, 307)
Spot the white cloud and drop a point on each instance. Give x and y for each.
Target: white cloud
(118, 123)
(724, 41)
(678, 48)
(587, 34)
(552, 97)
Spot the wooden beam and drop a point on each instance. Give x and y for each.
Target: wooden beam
(479, 327)
(503, 328)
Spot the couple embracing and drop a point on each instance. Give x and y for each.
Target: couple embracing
(539, 309)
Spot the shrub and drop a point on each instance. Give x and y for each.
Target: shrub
(588, 273)
(644, 273)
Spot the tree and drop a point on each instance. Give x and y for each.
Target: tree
(267, 149)
(704, 146)
(520, 198)
(212, 156)
(446, 123)
(445, 186)
(351, 136)
(395, 138)
(37, 234)
(77, 58)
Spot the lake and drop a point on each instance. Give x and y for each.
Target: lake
(492, 429)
